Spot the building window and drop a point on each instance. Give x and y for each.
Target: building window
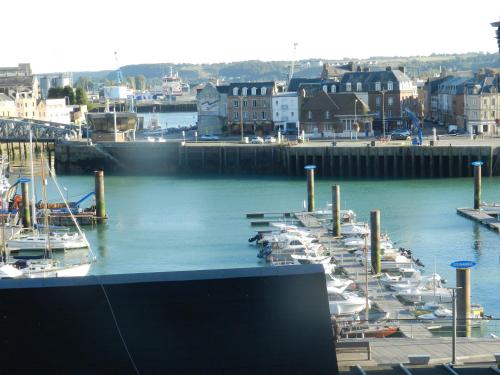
(245, 91)
(254, 90)
(493, 114)
(309, 115)
(236, 115)
(255, 115)
(235, 91)
(235, 103)
(264, 115)
(292, 113)
(485, 102)
(254, 102)
(377, 101)
(276, 102)
(245, 104)
(263, 91)
(378, 86)
(327, 114)
(389, 86)
(334, 88)
(493, 101)
(359, 86)
(325, 88)
(390, 101)
(277, 114)
(389, 114)
(245, 115)
(348, 86)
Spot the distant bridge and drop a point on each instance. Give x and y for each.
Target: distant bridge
(17, 130)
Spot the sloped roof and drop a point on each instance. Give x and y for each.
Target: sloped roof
(341, 104)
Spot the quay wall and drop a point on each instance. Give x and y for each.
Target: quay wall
(285, 160)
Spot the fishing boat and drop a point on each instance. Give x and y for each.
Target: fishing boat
(443, 318)
(346, 303)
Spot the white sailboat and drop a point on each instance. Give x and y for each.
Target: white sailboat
(48, 267)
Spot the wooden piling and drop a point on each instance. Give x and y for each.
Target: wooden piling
(26, 215)
(375, 241)
(99, 196)
(477, 184)
(336, 210)
(310, 187)
(463, 302)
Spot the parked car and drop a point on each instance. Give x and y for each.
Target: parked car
(256, 140)
(209, 137)
(270, 139)
(400, 134)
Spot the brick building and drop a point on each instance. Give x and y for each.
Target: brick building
(250, 104)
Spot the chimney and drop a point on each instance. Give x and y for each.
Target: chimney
(388, 68)
(402, 69)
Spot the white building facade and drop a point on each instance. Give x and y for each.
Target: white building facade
(286, 111)
(482, 107)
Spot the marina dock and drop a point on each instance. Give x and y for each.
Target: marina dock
(489, 216)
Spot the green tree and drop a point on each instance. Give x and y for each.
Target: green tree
(84, 82)
(70, 93)
(55, 93)
(81, 96)
(140, 82)
(131, 82)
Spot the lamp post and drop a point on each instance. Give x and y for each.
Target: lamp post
(355, 117)
(241, 117)
(383, 113)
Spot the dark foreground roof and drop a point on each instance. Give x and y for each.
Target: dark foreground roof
(272, 320)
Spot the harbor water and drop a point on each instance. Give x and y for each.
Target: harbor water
(178, 223)
(171, 119)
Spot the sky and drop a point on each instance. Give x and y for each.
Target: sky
(65, 35)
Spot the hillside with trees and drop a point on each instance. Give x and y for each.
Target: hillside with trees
(146, 75)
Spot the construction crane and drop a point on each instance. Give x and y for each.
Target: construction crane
(416, 125)
(119, 75)
(290, 74)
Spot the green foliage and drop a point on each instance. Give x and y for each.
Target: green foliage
(81, 96)
(70, 93)
(255, 70)
(140, 82)
(62, 92)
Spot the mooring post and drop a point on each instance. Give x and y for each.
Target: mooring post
(336, 210)
(463, 302)
(26, 205)
(310, 187)
(477, 184)
(99, 196)
(375, 240)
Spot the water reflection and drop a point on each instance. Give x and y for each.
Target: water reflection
(101, 237)
(476, 238)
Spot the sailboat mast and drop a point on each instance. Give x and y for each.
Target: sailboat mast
(45, 210)
(33, 204)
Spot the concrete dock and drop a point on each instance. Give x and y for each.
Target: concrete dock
(450, 158)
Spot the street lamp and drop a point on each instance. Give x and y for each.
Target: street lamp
(383, 113)
(241, 117)
(355, 117)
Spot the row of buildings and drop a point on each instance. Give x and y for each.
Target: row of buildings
(469, 100)
(21, 96)
(350, 99)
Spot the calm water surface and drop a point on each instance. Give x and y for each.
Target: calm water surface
(172, 223)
